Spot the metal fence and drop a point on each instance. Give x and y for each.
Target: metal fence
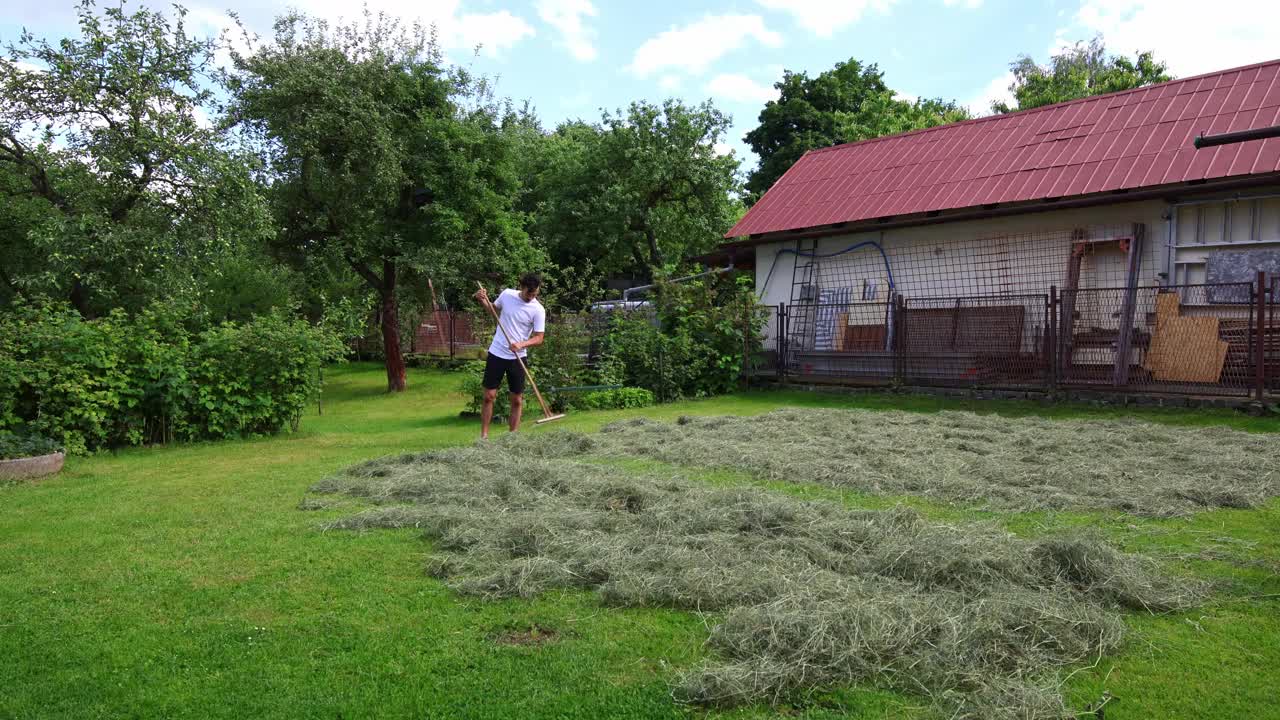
(1212, 339)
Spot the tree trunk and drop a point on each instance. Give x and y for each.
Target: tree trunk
(396, 380)
(79, 298)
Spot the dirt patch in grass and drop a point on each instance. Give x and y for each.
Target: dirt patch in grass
(802, 595)
(532, 636)
(974, 460)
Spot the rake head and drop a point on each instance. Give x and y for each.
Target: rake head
(549, 418)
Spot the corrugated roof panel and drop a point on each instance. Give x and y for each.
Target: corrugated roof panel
(1138, 171)
(1159, 166)
(1223, 160)
(1227, 79)
(1157, 137)
(1242, 163)
(1055, 151)
(1235, 98)
(1115, 179)
(1081, 180)
(1195, 105)
(1267, 158)
(1062, 180)
(1242, 120)
(1272, 97)
(1181, 165)
(1253, 100)
(1123, 145)
(1200, 163)
(1044, 180)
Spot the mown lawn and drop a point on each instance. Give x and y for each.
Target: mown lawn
(184, 582)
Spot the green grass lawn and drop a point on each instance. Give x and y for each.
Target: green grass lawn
(184, 582)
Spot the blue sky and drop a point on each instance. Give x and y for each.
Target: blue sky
(573, 57)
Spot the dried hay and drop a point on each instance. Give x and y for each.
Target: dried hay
(811, 594)
(974, 460)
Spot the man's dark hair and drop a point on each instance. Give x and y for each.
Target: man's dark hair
(531, 281)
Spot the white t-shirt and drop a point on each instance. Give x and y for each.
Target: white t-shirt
(520, 319)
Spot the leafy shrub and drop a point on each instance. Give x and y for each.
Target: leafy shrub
(121, 380)
(627, 397)
(24, 446)
(473, 388)
(254, 378)
(561, 360)
(704, 332)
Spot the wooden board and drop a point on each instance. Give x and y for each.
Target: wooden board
(1188, 349)
(841, 330)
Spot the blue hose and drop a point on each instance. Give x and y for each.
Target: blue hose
(815, 254)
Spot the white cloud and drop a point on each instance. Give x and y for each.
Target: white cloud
(740, 88)
(1190, 36)
(996, 90)
(669, 82)
(825, 17)
(967, 4)
(722, 148)
(566, 16)
(695, 46)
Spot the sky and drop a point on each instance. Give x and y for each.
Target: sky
(573, 58)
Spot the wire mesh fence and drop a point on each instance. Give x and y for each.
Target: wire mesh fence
(1212, 339)
(993, 340)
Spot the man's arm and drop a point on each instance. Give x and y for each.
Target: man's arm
(534, 339)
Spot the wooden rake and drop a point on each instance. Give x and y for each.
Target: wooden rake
(547, 415)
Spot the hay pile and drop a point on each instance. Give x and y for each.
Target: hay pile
(807, 595)
(973, 460)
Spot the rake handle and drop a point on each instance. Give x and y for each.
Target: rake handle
(546, 411)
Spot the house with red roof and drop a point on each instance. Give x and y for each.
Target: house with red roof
(986, 235)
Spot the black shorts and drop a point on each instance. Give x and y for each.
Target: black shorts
(495, 367)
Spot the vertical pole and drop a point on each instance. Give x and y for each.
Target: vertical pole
(451, 314)
(1259, 338)
(1124, 338)
(1050, 349)
(1067, 314)
(780, 342)
(900, 347)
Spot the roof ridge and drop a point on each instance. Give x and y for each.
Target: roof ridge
(1041, 108)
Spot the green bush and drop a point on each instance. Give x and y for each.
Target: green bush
(24, 446)
(697, 343)
(618, 398)
(473, 388)
(121, 380)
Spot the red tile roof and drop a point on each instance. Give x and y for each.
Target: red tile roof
(1121, 141)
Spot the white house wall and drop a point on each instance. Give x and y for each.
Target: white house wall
(1022, 254)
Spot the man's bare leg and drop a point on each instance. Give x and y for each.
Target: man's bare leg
(486, 412)
(517, 405)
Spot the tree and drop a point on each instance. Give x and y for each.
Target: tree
(847, 103)
(382, 160)
(117, 187)
(1079, 71)
(638, 192)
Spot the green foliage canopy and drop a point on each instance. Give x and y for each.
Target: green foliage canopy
(847, 103)
(1081, 70)
(118, 187)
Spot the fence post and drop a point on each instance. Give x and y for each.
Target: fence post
(899, 344)
(1259, 337)
(451, 314)
(780, 342)
(1051, 337)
